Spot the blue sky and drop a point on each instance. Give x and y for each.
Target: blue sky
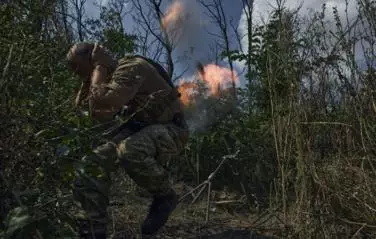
(200, 40)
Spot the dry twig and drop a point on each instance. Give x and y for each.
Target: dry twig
(208, 182)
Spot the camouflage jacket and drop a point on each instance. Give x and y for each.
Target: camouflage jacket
(137, 84)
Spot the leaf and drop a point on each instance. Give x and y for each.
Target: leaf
(17, 219)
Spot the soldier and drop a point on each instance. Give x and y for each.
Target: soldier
(158, 132)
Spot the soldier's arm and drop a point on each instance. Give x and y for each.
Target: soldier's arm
(83, 93)
(109, 96)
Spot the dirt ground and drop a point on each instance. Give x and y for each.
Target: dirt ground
(228, 216)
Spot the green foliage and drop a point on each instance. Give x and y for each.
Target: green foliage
(302, 126)
(22, 222)
(109, 31)
(42, 135)
(304, 132)
(252, 54)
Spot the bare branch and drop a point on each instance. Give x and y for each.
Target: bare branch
(216, 12)
(150, 17)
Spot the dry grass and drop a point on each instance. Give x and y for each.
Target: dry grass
(228, 218)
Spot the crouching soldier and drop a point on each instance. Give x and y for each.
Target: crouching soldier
(155, 132)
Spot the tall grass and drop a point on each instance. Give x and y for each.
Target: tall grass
(309, 150)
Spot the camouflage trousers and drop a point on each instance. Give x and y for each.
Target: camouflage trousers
(143, 156)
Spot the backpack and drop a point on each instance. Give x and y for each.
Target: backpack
(158, 67)
(156, 107)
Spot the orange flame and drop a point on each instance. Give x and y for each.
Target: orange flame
(218, 80)
(173, 15)
(187, 91)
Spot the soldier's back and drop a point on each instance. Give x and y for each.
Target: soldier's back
(165, 103)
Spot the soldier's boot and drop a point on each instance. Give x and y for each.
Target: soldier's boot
(92, 230)
(159, 212)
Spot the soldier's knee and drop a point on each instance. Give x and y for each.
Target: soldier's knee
(85, 186)
(101, 161)
(136, 148)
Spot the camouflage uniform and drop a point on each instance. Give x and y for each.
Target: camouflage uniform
(143, 153)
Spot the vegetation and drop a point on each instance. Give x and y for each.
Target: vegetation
(302, 134)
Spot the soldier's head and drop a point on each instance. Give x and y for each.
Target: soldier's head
(79, 59)
(83, 57)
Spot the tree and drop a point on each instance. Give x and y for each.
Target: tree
(157, 39)
(277, 61)
(79, 10)
(109, 29)
(216, 12)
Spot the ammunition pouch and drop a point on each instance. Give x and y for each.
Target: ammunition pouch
(123, 130)
(156, 105)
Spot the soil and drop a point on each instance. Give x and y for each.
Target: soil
(228, 218)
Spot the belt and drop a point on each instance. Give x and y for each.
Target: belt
(134, 126)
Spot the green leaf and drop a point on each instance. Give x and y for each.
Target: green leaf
(17, 219)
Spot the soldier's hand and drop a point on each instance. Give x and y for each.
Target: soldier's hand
(83, 93)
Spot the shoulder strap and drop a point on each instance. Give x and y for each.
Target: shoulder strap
(161, 71)
(159, 68)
